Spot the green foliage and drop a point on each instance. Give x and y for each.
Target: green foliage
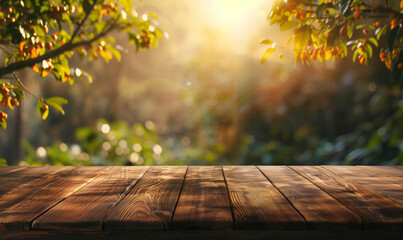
(3, 162)
(57, 103)
(312, 121)
(43, 35)
(323, 29)
(118, 143)
(58, 154)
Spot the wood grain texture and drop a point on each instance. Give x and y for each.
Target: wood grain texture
(320, 210)
(377, 212)
(256, 203)
(200, 235)
(8, 169)
(386, 186)
(150, 204)
(390, 171)
(87, 208)
(203, 202)
(23, 177)
(19, 208)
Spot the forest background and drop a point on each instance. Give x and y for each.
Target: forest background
(202, 97)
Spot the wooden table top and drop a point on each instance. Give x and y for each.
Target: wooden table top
(241, 200)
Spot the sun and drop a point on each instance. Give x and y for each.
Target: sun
(235, 18)
(233, 14)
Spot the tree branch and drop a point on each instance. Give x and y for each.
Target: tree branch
(51, 54)
(23, 86)
(79, 25)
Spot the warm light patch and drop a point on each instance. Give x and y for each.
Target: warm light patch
(235, 19)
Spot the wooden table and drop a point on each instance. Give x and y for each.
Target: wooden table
(180, 202)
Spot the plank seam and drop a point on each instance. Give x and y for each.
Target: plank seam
(177, 199)
(230, 203)
(61, 200)
(306, 222)
(331, 195)
(121, 197)
(373, 191)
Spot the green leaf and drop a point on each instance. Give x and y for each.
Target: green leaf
(266, 41)
(71, 81)
(355, 55)
(41, 110)
(89, 77)
(66, 18)
(18, 92)
(343, 47)
(114, 52)
(360, 26)
(3, 162)
(350, 29)
(373, 41)
(288, 25)
(99, 26)
(267, 54)
(56, 102)
(112, 40)
(369, 49)
(380, 31)
(301, 39)
(4, 124)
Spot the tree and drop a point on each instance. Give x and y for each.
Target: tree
(326, 30)
(43, 35)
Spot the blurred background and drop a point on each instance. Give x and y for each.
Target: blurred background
(203, 98)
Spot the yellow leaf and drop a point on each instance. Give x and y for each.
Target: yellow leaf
(103, 12)
(34, 52)
(22, 44)
(328, 54)
(45, 113)
(35, 68)
(267, 54)
(106, 54)
(45, 72)
(9, 103)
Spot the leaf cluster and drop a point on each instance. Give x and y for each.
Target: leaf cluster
(332, 29)
(44, 35)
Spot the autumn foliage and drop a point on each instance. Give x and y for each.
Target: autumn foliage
(43, 36)
(331, 29)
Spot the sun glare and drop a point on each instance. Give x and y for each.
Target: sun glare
(237, 19)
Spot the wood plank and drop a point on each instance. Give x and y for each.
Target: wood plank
(256, 203)
(320, 210)
(19, 208)
(150, 204)
(377, 212)
(386, 186)
(203, 202)
(87, 208)
(23, 177)
(200, 235)
(8, 169)
(391, 171)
